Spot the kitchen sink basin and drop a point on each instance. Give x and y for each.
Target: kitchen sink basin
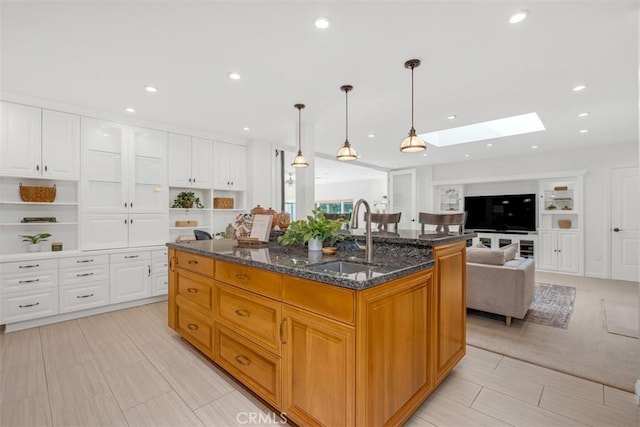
(345, 267)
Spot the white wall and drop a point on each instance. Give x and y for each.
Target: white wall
(370, 190)
(597, 161)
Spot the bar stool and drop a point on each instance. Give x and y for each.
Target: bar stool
(442, 221)
(385, 219)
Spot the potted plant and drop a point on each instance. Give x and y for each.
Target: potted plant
(187, 200)
(315, 230)
(34, 241)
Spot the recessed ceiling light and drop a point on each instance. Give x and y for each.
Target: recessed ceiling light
(322, 22)
(489, 145)
(467, 155)
(130, 110)
(151, 89)
(372, 135)
(425, 155)
(451, 117)
(246, 128)
(234, 76)
(359, 156)
(585, 114)
(518, 17)
(534, 146)
(105, 134)
(584, 130)
(579, 88)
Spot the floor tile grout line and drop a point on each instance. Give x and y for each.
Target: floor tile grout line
(46, 378)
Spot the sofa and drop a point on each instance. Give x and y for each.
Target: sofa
(498, 282)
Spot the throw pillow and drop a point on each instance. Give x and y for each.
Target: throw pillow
(510, 251)
(485, 256)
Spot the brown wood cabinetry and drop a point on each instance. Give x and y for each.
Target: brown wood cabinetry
(323, 354)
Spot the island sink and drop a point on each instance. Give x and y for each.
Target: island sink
(343, 267)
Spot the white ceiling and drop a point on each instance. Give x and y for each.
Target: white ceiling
(99, 56)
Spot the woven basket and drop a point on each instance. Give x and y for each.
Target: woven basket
(37, 194)
(564, 223)
(223, 203)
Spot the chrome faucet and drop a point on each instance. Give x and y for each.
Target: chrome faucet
(368, 249)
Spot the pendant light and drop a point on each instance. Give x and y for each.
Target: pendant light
(299, 161)
(413, 142)
(346, 153)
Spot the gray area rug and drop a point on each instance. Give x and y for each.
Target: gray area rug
(622, 318)
(552, 305)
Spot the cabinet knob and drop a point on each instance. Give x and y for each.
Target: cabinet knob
(243, 360)
(46, 168)
(242, 313)
(29, 305)
(84, 296)
(38, 168)
(192, 326)
(616, 229)
(189, 179)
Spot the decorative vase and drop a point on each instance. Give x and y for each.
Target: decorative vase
(315, 245)
(33, 247)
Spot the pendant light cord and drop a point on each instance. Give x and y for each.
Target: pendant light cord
(346, 126)
(299, 129)
(412, 67)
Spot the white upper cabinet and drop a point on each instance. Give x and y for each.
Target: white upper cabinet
(189, 161)
(148, 190)
(229, 167)
(39, 143)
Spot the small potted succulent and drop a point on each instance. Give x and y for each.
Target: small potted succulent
(187, 200)
(314, 230)
(34, 241)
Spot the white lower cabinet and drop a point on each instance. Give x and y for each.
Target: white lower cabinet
(111, 231)
(559, 251)
(28, 290)
(130, 276)
(84, 282)
(159, 272)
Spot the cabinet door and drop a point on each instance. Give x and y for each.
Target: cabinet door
(20, 140)
(148, 229)
(104, 167)
(200, 163)
(160, 284)
(130, 281)
(548, 254)
(104, 231)
(237, 167)
(221, 179)
(179, 159)
(318, 369)
(60, 145)
(568, 251)
(148, 190)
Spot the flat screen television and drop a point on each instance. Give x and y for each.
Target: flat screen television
(508, 213)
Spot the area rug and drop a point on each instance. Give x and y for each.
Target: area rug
(622, 318)
(552, 305)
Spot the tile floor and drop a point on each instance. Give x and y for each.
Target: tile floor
(128, 368)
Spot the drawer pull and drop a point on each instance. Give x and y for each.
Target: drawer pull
(192, 261)
(192, 290)
(29, 305)
(243, 360)
(84, 260)
(29, 266)
(84, 274)
(240, 276)
(242, 313)
(29, 281)
(84, 296)
(192, 326)
(131, 256)
(282, 339)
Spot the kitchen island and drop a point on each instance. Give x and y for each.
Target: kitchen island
(326, 340)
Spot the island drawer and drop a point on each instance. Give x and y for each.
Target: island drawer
(195, 288)
(253, 366)
(195, 328)
(252, 315)
(196, 263)
(331, 301)
(253, 279)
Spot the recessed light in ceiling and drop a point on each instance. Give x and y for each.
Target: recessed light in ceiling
(322, 22)
(585, 114)
(425, 155)
(451, 117)
(518, 17)
(130, 110)
(534, 146)
(579, 88)
(508, 126)
(246, 128)
(467, 155)
(234, 76)
(372, 135)
(489, 145)
(584, 130)
(151, 89)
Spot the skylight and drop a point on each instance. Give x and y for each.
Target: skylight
(509, 126)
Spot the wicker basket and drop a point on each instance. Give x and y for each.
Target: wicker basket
(564, 223)
(37, 194)
(223, 203)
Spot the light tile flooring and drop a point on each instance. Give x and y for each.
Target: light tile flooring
(128, 368)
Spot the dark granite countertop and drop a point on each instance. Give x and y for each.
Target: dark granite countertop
(395, 256)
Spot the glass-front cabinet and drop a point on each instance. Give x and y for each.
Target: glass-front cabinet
(449, 198)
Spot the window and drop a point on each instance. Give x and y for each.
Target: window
(335, 206)
(290, 207)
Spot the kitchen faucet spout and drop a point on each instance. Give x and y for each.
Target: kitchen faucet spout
(368, 251)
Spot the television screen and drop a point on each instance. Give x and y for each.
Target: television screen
(512, 212)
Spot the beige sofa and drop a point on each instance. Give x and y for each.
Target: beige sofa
(505, 289)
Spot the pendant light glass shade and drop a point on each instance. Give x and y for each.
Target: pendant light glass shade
(299, 161)
(346, 153)
(412, 143)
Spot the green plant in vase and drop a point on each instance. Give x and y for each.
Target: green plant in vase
(34, 240)
(187, 200)
(313, 227)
